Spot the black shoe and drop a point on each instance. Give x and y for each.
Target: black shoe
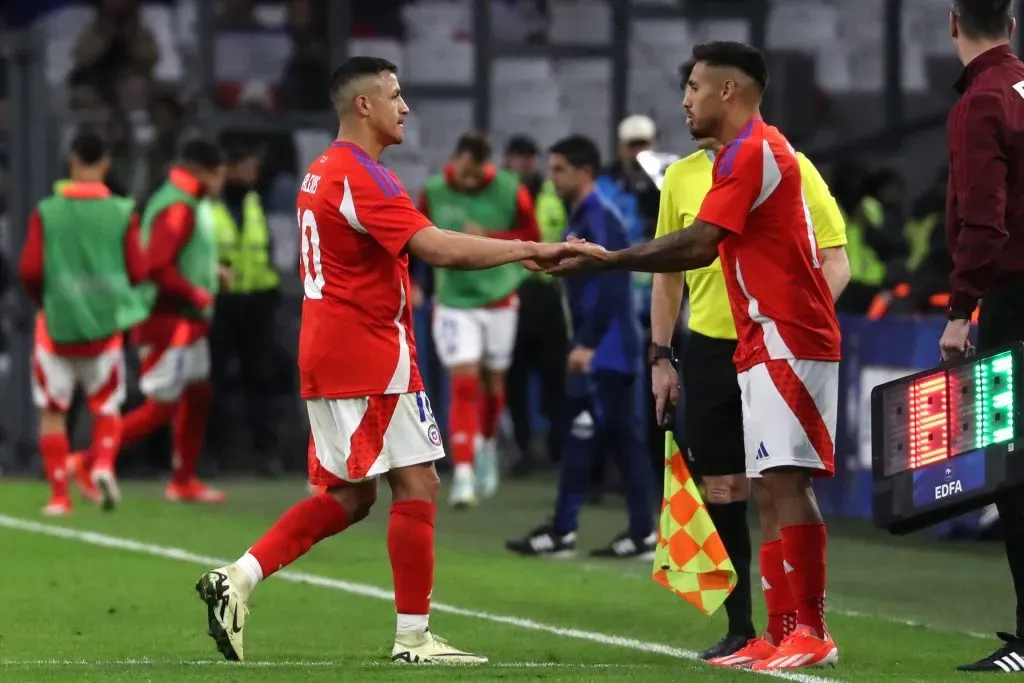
(626, 546)
(544, 542)
(1007, 659)
(729, 644)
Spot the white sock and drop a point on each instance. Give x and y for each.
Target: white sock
(463, 471)
(412, 623)
(251, 570)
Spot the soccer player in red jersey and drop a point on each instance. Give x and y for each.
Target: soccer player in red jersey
(82, 256)
(756, 221)
(368, 413)
(172, 342)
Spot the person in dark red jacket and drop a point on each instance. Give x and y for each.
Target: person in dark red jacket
(173, 349)
(985, 232)
(86, 302)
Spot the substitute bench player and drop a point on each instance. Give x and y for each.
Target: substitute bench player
(368, 413)
(755, 219)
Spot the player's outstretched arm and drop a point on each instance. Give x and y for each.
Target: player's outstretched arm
(695, 247)
(445, 249)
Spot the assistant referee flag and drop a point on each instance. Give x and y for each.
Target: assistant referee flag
(690, 559)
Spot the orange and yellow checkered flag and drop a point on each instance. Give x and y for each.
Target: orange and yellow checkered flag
(690, 560)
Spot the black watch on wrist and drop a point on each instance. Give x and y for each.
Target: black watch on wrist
(657, 352)
(952, 314)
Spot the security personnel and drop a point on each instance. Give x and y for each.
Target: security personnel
(244, 324)
(712, 407)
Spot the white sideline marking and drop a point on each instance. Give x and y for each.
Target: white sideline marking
(285, 664)
(105, 541)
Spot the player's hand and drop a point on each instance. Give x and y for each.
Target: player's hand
(586, 257)
(547, 256)
(202, 299)
(665, 387)
(579, 360)
(954, 342)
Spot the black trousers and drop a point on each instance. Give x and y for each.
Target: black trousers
(243, 331)
(1002, 322)
(542, 346)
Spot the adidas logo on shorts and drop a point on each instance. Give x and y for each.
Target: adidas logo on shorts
(762, 452)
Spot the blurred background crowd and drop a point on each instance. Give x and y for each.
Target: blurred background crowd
(862, 88)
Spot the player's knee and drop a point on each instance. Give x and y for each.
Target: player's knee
(765, 509)
(495, 382)
(357, 500)
(417, 482)
(52, 421)
(465, 370)
(726, 489)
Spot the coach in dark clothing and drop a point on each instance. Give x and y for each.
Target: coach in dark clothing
(985, 231)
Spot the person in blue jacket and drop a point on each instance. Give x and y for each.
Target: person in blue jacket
(603, 369)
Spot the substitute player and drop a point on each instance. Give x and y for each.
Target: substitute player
(603, 366)
(474, 323)
(755, 219)
(367, 410)
(985, 232)
(81, 258)
(173, 349)
(712, 403)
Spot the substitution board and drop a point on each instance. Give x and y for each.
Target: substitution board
(946, 441)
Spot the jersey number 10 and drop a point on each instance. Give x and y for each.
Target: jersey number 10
(313, 282)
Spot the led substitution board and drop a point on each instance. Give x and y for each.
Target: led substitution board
(945, 441)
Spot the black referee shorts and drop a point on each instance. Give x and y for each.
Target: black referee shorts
(712, 409)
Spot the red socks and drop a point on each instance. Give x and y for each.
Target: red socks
(490, 413)
(189, 430)
(106, 440)
(54, 451)
(140, 423)
(304, 524)
(463, 418)
(803, 546)
(777, 594)
(411, 549)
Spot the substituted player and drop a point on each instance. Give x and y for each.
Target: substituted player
(787, 356)
(712, 403)
(82, 256)
(368, 413)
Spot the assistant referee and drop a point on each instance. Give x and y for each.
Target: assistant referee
(985, 232)
(712, 409)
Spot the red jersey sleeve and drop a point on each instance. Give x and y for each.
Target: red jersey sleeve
(738, 178)
(134, 255)
(375, 201)
(30, 267)
(171, 230)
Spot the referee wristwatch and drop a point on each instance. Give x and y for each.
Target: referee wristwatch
(657, 352)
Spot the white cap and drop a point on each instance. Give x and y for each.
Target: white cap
(637, 127)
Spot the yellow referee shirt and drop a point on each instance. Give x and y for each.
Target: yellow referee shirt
(686, 183)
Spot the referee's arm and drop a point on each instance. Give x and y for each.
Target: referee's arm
(666, 302)
(829, 228)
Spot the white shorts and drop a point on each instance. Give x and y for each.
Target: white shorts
(167, 370)
(476, 335)
(361, 438)
(789, 415)
(54, 379)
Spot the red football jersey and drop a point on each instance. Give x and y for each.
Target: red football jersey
(779, 297)
(356, 337)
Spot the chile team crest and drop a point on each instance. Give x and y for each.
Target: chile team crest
(434, 434)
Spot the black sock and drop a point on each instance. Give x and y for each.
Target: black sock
(731, 521)
(1011, 513)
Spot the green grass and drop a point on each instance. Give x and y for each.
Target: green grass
(71, 610)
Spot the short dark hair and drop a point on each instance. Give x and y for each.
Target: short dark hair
(983, 18)
(580, 151)
(740, 56)
(89, 147)
(357, 67)
(202, 153)
(685, 69)
(521, 145)
(476, 145)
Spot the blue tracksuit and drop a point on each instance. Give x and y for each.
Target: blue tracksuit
(601, 409)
